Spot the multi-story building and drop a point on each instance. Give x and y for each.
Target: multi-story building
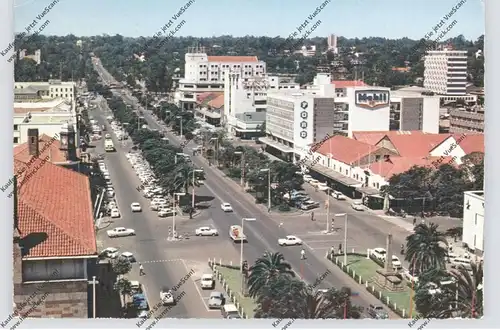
(46, 116)
(243, 98)
(473, 221)
(36, 91)
(445, 73)
(332, 44)
(307, 51)
(205, 73)
(467, 120)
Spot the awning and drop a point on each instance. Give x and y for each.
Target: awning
(370, 191)
(277, 145)
(334, 175)
(246, 130)
(209, 113)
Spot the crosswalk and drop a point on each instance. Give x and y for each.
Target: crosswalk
(318, 241)
(159, 261)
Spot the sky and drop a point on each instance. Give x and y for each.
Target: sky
(347, 18)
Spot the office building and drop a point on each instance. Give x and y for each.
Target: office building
(445, 72)
(467, 120)
(414, 110)
(205, 73)
(332, 44)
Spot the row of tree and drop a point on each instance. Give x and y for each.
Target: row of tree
(441, 292)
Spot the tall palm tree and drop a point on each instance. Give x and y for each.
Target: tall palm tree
(426, 248)
(266, 268)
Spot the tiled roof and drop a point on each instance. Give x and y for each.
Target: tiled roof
(396, 165)
(54, 211)
(348, 83)
(47, 147)
(471, 142)
(345, 150)
(374, 137)
(206, 97)
(233, 59)
(415, 145)
(26, 110)
(218, 102)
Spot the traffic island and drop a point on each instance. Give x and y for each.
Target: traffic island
(364, 270)
(230, 278)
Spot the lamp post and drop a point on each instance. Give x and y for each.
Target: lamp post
(328, 227)
(345, 234)
(194, 173)
(180, 117)
(216, 150)
(93, 282)
(268, 187)
(242, 179)
(241, 249)
(173, 213)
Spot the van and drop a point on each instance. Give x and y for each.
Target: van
(228, 310)
(461, 261)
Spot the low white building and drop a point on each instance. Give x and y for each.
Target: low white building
(47, 117)
(35, 91)
(204, 73)
(473, 221)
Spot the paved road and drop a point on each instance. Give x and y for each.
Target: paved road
(150, 242)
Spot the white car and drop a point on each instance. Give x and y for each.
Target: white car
(165, 212)
(110, 192)
(226, 207)
(379, 253)
(109, 252)
(307, 178)
(322, 186)
(206, 231)
(338, 195)
(289, 240)
(115, 213)
(396, 263)
(136, 207)
(166, 296)
(358, 206)
(313, 182)
(128, 255)
(120, 232)
(207, 281)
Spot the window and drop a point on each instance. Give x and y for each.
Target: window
(16, 127)
(16, 140)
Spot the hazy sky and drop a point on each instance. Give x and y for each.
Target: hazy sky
(348, 18)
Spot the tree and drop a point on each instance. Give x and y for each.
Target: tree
(121, 266)
(455, 233)
(426, 248)
(124, 287)
(267, 267)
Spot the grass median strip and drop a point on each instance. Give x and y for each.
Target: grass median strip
(233, 280)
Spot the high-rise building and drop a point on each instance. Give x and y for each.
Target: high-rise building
(446, 72)
(332, 43)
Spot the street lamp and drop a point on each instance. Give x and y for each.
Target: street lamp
(242, 180)
(216, 149)
(328, 227)
(180, 117)
(268, 187)
(173, 213)
(195, 171)
(241, 248)
(345, 234)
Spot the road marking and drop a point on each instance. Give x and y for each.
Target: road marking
(157, 261)
(196, 287)
(322, 241)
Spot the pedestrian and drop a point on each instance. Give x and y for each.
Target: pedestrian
(302, 254)
(312, 216)
(402, 249)
(332, 252)
(414, 221)
(340, 248)
(141, 270)
(280, 225)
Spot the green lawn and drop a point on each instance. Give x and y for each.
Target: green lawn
(367, 268)
(233, 279)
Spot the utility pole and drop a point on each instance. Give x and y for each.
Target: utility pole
(327, 204)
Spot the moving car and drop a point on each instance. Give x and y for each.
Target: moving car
(109, 252)
(136, 207)
(216, 300)
(115, 213)
(166, 296)
(226, 207)
(313, 182)
(206, 231)
(377, 312)
(236, 233)
(309, 205)
(128, 255)
(396, 263)
(207, 281)
(289, 240)
(358, 206)
(379, 253)
(338, 195)
(120, 232)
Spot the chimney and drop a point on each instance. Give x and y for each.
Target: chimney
(33, 142)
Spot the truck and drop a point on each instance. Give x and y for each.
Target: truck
(236, 234)
(109, 146)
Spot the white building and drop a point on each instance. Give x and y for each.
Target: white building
(332, 44)
(48, 117)
(37, 56)
(445, 72)
(36, 91)
(473, 222)
(412, 110)
(307, 51)
(205, 73)
(243, 98)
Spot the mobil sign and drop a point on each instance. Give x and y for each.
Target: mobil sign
(372, 98)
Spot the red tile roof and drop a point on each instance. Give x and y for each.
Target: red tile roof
(345, 150)
(470, 142)
(204, 98)
(48, 147)
(415, 145)
(396, 165)
(218, 102)
(55, 201)
(235, 59)
(374, 137)
(348, 83)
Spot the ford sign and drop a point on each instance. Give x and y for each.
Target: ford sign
(372, 99)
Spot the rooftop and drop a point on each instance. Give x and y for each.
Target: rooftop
(345, 149)
(374, 137)
(217, 102)
(348, 83)
(233, 59)
(396, 165)
(48, 147)
(415, 145)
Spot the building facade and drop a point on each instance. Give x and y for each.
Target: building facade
(34, 91)
(445, 72)
(205, 73)
(414, 111)
(473, 221)
(467, 120)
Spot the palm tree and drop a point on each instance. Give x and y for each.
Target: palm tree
(124, 287)
(266, 268)
(426, 248)
(455, 233)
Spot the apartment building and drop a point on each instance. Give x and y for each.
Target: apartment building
(245, 97)
(467, 120)
(204, 73)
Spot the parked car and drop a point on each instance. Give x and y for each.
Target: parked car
(309, 205)
(166, 296)
(216, 300)
(338, 195)
(307, 177)
(129, 256)
(377, 312)
(206, 231)
(120, 232)
(109, 252)
(358, 206)
(115, 213)
(165, 212)
(379, 253)
(313, 182)
(289, 240)
(136, 207)
(207, 281)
